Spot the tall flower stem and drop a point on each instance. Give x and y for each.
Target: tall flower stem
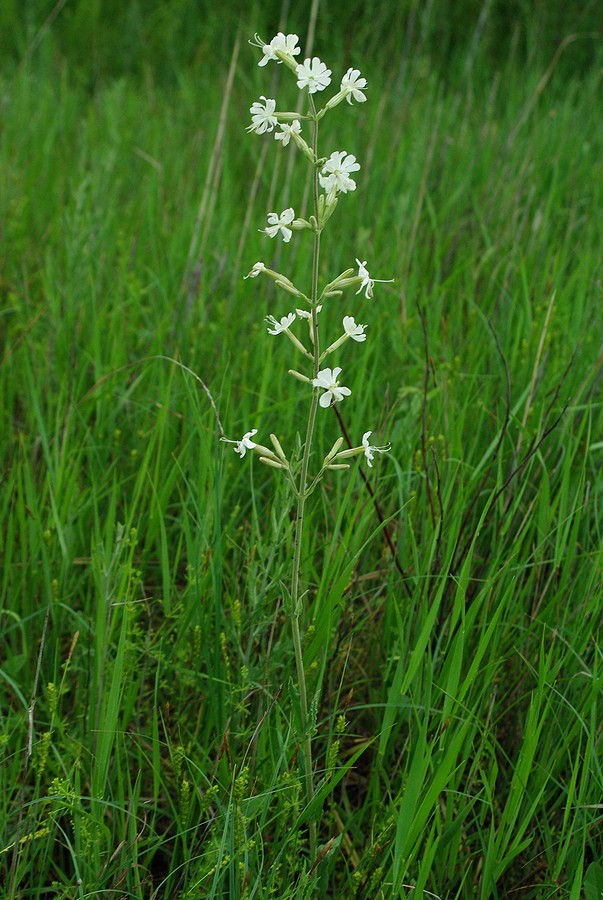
(296, 602)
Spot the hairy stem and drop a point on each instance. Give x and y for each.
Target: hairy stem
(302, 495)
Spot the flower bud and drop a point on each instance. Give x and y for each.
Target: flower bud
(343, 280)
(332, 202)
(353, 451)
(303, 146)
(287, 286)
(299, 376)
(277, 446)
(290, 116)
(273, 462)
(334, 346)
(287, 59)
(264, 452)
(332, 452)
(335, 100)
(280, 280)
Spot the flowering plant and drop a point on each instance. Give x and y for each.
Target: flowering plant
(332, 176)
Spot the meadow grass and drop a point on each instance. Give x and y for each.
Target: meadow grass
(145, 683)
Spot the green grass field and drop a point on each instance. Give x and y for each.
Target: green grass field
(454, 658)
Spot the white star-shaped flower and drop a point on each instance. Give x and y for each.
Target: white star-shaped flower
(241, 447)
(337, 170)
(258, 267)
(283, 325)
(369, 451)
(285, 42)
(356, 332)
(351, 83)
(367, 281)
(278, 223)
(313, 74)
(287, 131)
(327, 379)
(262, 115)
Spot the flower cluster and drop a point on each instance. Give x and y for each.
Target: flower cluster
(335, 175)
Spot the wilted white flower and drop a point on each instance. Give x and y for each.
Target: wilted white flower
(278, 223)
(241, 447)
(283, 325)
(313, 74)
(351, 85)
(307, 313)
(356, 332)
(369, 451)
(287, 43)
(258, 267)
(262, 115)
(327, 379)
(367, 281)
(337, 170)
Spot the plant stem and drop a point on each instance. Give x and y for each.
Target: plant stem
(296, 604)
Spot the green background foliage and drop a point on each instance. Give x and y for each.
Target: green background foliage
(145, 652)
(110, 38)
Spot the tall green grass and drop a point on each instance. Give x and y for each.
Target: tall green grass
(145, 666)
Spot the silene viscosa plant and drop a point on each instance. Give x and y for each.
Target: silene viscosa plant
(332, 176)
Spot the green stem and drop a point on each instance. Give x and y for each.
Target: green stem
(302, 494)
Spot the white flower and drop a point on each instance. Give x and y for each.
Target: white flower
(370, 451)
(262, 115)
(283, 325)
(351, 84)
(350, 330)
(278, 223)
(367, 281)
(241, 447)
(356, 332)
(287, 131)
(314, 75)
(337, 170)
(307, 313)
(258, 267)
(327, 379)
(286, 43)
